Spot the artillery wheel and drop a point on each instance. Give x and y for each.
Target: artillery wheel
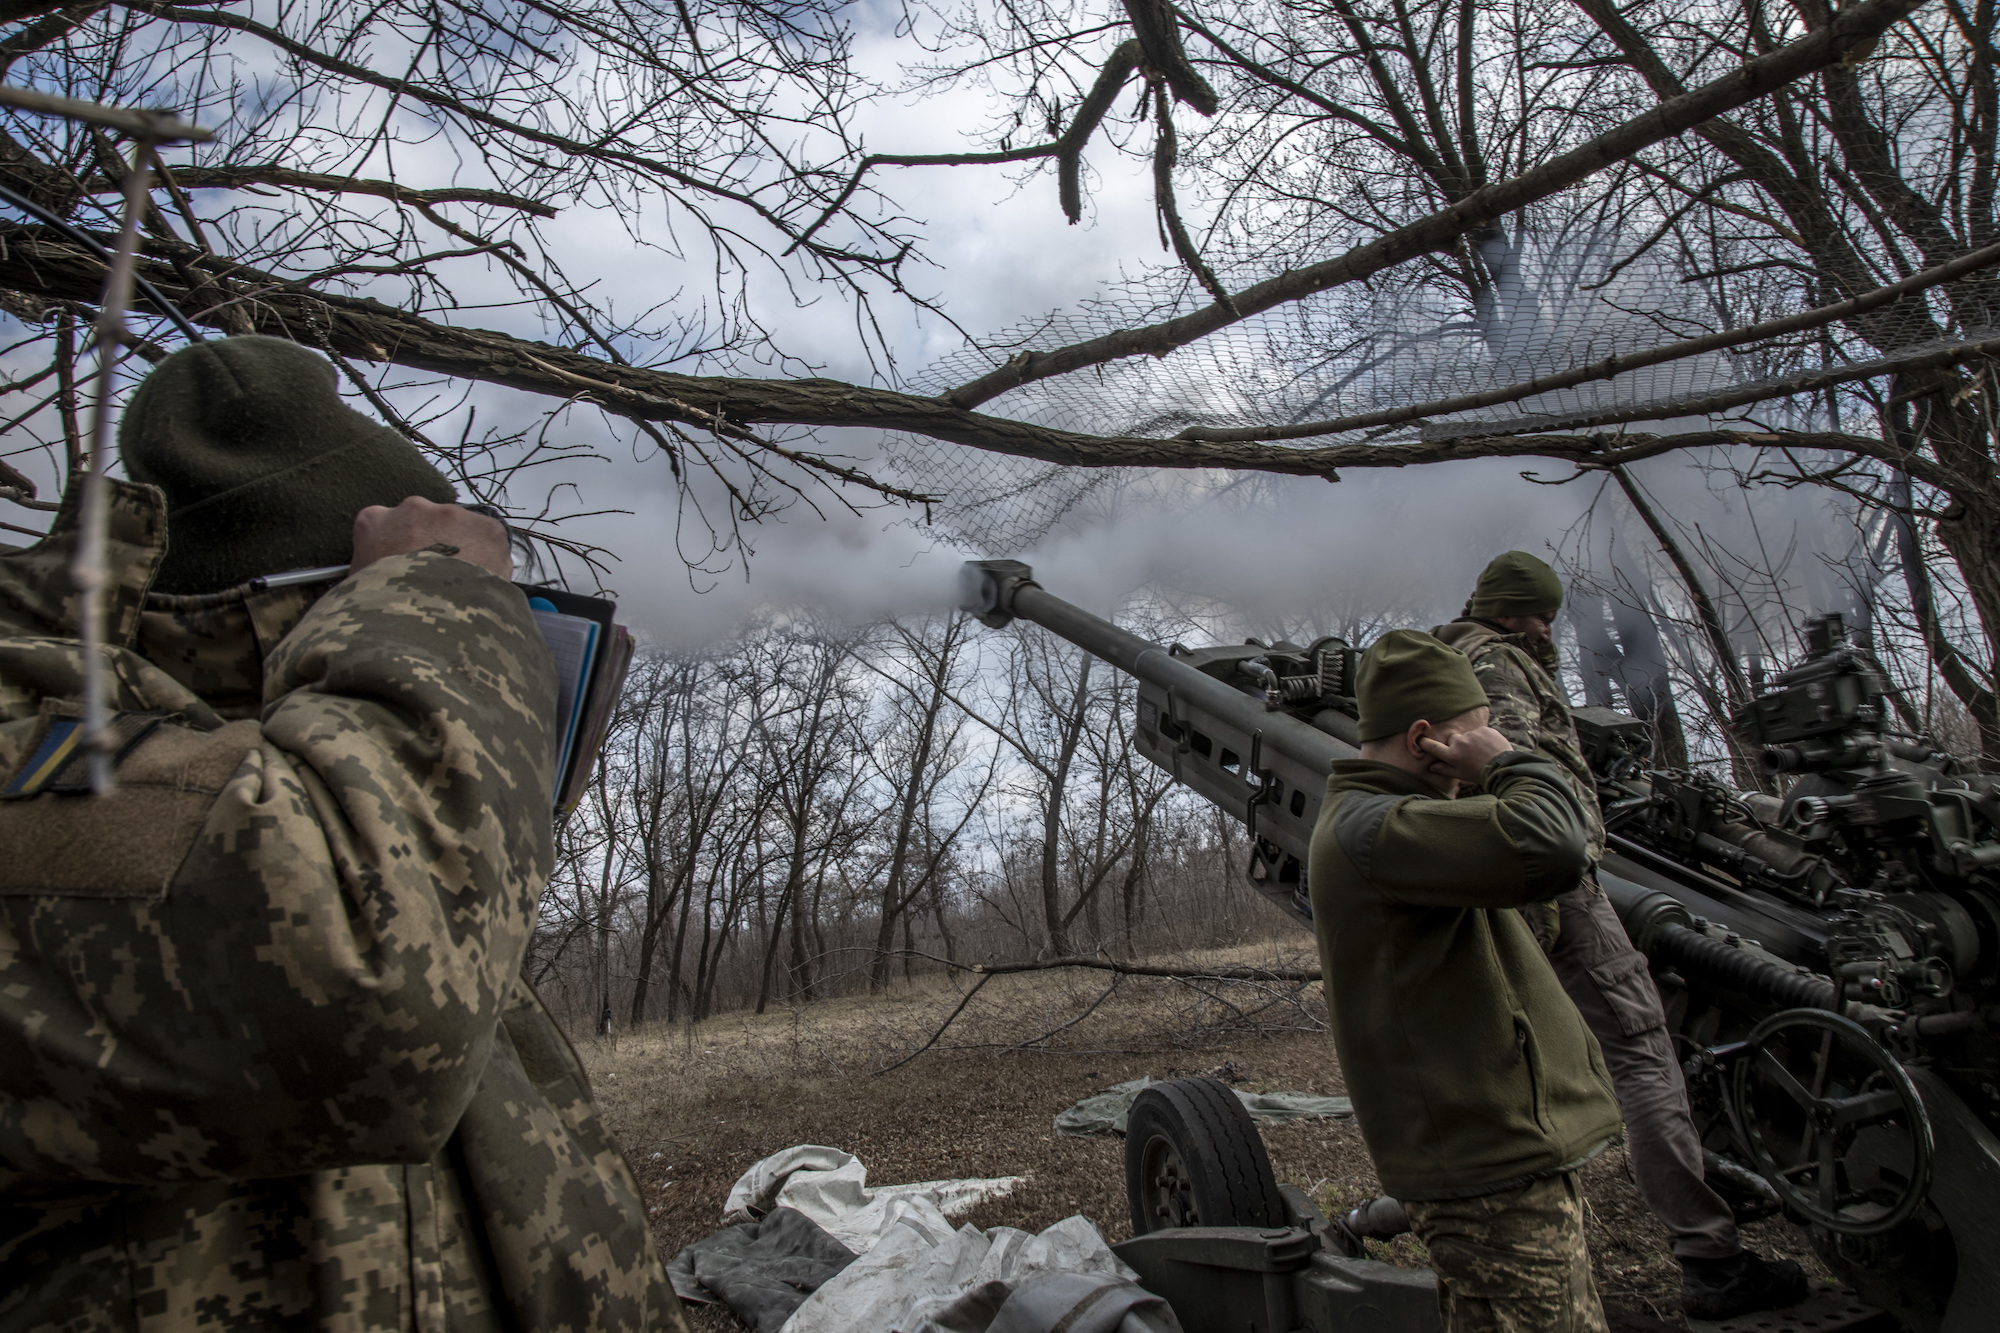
(1832, 1122)
(1194, 1159)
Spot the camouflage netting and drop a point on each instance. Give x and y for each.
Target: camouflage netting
(1554, 304)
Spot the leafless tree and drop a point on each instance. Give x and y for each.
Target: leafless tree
(809, 757)
(923, 665)
(1862, 194)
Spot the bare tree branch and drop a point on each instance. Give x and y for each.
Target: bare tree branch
(236, 178)
(1824, 46)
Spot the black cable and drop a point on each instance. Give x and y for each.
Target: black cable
(90, 243)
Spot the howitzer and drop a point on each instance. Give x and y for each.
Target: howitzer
(1829, 959)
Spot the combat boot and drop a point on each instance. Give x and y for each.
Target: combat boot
(1725, 1288)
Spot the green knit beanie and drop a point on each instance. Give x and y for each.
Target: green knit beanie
(264, 467)
(1408, 676)
(1515, 584)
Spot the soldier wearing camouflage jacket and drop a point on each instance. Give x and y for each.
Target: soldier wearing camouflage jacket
(266, 1057)
(1478, 1089)
(1506, 631)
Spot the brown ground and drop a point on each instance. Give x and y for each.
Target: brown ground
(695, 1109)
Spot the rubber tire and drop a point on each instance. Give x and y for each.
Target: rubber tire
(1228, 1173)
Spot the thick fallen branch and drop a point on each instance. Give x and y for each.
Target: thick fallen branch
(1093, 963)
(1099, 964)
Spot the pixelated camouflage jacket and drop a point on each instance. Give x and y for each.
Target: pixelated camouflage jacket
(1529, 708)
(266, 1060)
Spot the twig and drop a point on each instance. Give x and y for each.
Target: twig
(1058, 1031)
(977, 986)
(1127, 969)
(233, 319)
(27, 500)
(148, 127)
(66, 392)
(235, 178)
(87, 570)
(1166, 154)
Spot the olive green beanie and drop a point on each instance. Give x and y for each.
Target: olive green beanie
(1408, 676)
(1515, 584)
(264, 467)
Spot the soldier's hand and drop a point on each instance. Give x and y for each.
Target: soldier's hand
(380, 532)
(1464, 755)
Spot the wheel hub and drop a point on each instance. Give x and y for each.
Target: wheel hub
(1171, 1192)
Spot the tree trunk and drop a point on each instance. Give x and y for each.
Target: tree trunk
(937, 911)
(799, 968)
(771, 944)
(1135, 874)
(1052, 813)
(674, 988)
(1596, 654)
(1647, 679)
(1970, 539)
(1728, 669)
(648, 940)
(899, 859)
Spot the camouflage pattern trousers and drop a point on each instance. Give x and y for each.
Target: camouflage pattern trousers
(1512, 1262)
(1613, 989)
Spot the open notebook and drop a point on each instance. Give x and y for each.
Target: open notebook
(591, 654)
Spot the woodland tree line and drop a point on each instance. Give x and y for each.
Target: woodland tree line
(810, 809)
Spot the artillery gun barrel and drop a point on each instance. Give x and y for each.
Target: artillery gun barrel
(1275, 753)
(998, 591)
(1255, 762)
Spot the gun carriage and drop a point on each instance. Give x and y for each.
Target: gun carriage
(1829, 957)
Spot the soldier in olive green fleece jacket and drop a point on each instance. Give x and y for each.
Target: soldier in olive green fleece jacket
(1477, 1086)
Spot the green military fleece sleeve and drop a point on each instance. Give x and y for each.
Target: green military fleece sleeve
(320, 982)
(1523, 840)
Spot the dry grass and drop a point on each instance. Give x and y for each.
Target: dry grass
(694, 1108)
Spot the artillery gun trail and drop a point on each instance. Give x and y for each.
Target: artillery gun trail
(1829, 959)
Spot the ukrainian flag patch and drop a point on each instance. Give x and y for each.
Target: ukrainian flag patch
(60, 762)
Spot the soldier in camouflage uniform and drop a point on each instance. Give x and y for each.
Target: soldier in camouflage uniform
(1477, 1087)
(1506, 631)
(266, 1056)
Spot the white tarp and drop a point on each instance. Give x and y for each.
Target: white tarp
(831, 1187)
(922, 1278)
